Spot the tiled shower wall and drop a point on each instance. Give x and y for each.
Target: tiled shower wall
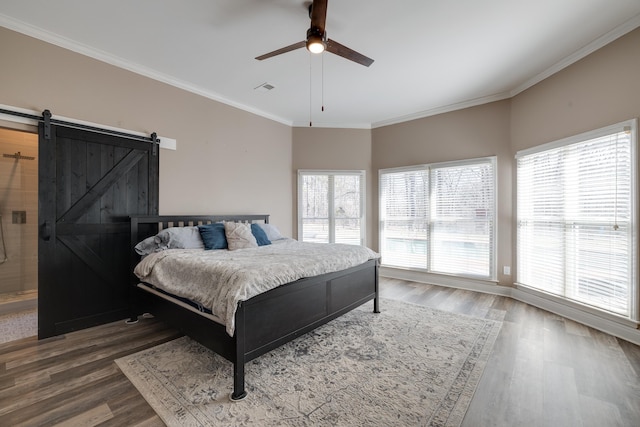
(19, 212)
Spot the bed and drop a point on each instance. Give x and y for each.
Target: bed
(260, 323)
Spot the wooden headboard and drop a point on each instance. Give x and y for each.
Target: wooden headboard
(144, 226)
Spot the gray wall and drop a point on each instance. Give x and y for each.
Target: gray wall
(227, 161)
(601, 89)
(464, 134)
(335, 149)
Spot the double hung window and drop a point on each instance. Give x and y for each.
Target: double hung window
(576, 219)
(331, 206)
(440, 217)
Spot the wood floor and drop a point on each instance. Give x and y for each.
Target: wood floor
(544, 370)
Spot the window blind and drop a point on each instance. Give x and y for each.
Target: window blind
(576, 219)
(439, 217)
(404, 217)
(462, 218)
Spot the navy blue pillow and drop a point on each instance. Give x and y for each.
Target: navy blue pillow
(260, 235)
(213, 235)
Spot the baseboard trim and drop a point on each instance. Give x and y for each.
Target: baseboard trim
(457, 282)
(623, 329)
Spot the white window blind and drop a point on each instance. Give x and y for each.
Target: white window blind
(439, 217)
(314, 208)
(404, 217)
(331, 207)
(462, 219)
(576, 220)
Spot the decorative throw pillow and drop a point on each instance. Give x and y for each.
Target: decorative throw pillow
(213, 236)
(239, 236)
(271, 231)
(260, 235)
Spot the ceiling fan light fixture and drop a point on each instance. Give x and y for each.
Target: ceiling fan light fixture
(316, 46)
(316, 41)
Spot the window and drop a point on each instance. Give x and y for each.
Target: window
(576, 219)
(440, 217)
(331, 207)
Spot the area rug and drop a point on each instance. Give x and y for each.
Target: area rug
(406, 366)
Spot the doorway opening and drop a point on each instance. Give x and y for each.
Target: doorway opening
(18, 221)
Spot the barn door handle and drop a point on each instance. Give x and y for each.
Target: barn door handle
(46, 231)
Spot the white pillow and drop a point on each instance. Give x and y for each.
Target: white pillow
(239, 236)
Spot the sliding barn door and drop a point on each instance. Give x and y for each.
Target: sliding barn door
(89, 184)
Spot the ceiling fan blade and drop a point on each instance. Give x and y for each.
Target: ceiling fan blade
(350, 54)
(282, 50)
(319, 14)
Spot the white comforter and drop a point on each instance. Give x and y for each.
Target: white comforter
(219, 279)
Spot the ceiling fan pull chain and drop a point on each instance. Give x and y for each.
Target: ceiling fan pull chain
(310, 103)
(322, 83)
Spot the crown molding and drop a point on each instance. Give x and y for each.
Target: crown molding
(46, 36)
(65, 43)
(332, 125)
(598, 43)
(444, 109)
(587, 50)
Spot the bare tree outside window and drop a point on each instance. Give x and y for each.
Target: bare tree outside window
(331, 206)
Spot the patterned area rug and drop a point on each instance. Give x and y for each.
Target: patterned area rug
(407, 366)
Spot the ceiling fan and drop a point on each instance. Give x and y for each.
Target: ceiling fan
(317, 41)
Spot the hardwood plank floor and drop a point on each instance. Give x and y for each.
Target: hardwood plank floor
(73, 380)
(544, 370)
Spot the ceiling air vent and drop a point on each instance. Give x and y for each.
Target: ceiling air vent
(264, 87)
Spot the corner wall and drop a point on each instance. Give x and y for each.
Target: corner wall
(334, 149)
(599, 90)
(474, 132)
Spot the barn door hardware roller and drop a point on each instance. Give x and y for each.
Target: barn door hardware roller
(46, 118)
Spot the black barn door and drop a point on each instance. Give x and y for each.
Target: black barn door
(89, 183)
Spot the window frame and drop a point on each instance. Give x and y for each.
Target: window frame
(331, 199)
(429, 167)
(634, 291)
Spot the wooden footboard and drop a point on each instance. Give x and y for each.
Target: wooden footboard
(271, 319)
(275, 317)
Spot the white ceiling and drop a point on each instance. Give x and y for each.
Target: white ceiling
(431, 56)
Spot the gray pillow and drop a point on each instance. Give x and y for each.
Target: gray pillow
(271, 231)
(171, 238)
(148, 246)
(181, 238)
